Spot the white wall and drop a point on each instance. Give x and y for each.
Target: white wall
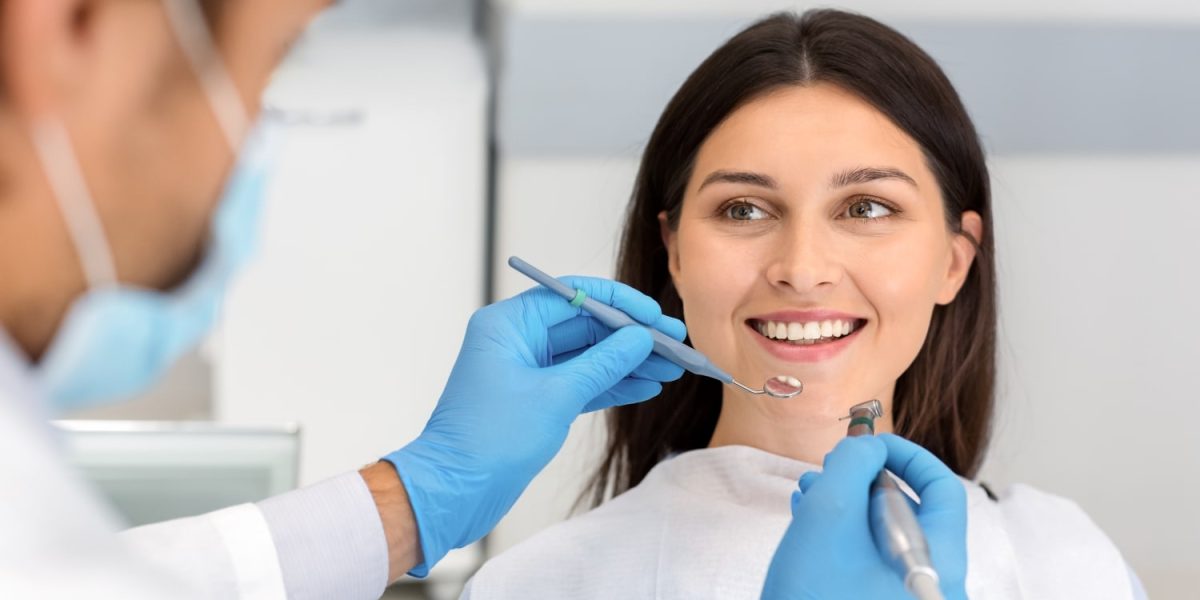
(373, 244)
(1097, 347)
(372, 239)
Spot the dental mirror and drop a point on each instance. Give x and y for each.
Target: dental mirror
(780, 386)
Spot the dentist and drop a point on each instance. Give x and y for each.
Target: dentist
(130, 179)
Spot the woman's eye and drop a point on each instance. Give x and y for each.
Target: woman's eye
(868, 209)
(744, 211)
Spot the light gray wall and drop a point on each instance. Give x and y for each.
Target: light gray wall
(595, 86)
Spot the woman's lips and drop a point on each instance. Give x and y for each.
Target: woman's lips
(803, 350)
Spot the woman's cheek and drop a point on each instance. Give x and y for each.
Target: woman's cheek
(708, 285)
(898, 286)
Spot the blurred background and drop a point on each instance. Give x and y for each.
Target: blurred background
(429, 140)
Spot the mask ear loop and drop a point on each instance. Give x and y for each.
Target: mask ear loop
(53, 146)
(187, 21)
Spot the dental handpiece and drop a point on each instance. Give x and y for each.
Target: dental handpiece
(664, 345)
(893, 524)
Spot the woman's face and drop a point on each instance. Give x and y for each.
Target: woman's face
(813, 242)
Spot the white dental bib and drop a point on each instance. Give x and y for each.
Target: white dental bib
(705, 524)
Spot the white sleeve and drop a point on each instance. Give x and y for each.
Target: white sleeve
(329, 540)
(322, 541)
(224, 554)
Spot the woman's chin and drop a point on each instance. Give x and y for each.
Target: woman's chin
(828, 402)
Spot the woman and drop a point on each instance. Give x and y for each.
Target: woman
(813, 202)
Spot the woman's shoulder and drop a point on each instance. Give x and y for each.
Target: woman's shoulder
(1032, 515)
(577, 557)
(1043, 544)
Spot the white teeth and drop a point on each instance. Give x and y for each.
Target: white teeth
(795, 331)
(812, 331)
(788, 380)
(805, 333)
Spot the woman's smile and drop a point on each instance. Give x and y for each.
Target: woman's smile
(805, 336)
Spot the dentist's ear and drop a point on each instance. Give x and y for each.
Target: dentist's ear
(47, 50)
(962, 249)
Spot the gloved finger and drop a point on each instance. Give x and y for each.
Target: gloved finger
(634, 303)
(942, 512)
(849, 470)
(808, 479)
(628, 391)
(541, 308)
(655, 368)
(576, 334)
(603, 365)
(569, 338)
(936, 485)
(834, 504)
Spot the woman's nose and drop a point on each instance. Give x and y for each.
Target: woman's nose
(804, 260)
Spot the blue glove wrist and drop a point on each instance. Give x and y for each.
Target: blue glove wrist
(436, 508)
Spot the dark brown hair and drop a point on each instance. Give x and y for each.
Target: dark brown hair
(943, 401)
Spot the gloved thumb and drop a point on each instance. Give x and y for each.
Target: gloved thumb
(807, 480)
(604, 364)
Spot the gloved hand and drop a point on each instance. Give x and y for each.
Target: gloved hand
(828, 552)
(528, 367)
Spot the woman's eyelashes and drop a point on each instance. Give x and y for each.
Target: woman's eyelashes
(869, 209)
(860, 209)
(742, 210)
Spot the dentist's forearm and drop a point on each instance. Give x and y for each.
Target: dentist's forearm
(399, 522)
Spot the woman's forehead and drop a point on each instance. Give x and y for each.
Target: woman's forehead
(806, 132)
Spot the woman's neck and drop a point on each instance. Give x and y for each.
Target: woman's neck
(805, 428)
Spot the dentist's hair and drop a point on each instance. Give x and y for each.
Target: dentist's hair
(944, 400)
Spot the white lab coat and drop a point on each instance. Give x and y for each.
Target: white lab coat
(706, 523)
(58, 539)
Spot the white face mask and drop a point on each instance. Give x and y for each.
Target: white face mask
(117, 340)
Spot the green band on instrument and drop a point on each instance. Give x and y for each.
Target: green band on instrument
(580, 296)
(869, 422)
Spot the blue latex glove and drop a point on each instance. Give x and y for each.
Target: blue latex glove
(827, 552)
(528, 367)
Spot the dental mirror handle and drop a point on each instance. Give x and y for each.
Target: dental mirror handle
(664, 345)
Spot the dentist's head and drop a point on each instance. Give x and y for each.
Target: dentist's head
(121, 127)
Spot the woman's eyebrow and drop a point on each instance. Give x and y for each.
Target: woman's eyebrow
(748, 177)
(865, 174)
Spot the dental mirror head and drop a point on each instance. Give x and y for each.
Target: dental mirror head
(780, 386)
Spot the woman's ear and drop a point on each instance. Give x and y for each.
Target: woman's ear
(962, 249)
(668, 239)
